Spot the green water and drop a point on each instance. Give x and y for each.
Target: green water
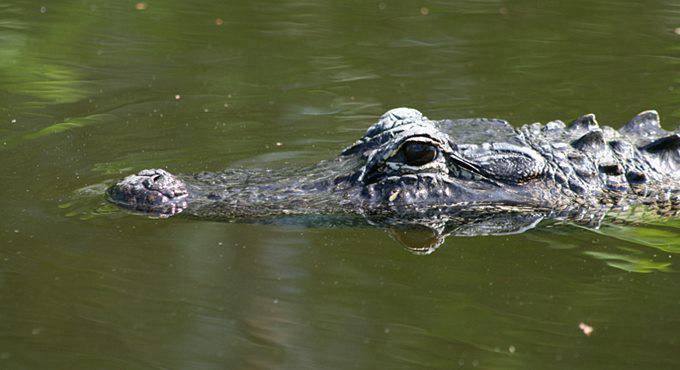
(93, 90)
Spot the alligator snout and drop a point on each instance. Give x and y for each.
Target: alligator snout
(154, 191)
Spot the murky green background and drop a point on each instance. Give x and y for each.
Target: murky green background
(88, 94)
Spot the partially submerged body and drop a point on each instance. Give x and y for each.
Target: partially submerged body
(408, 169)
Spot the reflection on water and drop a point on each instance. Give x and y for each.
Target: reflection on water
(93, 90)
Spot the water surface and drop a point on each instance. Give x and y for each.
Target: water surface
(91, 91)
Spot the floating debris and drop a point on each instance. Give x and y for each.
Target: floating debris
(424, 11)
(677, 31)
(178, 97)
(140, 6)
(219, 21)
(586, 329)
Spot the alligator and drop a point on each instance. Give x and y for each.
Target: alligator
(409, 170)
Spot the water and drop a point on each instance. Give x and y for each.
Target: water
(93, 90)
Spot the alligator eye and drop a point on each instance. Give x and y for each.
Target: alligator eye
(418, 154)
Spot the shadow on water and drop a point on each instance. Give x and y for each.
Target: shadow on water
(91, 91)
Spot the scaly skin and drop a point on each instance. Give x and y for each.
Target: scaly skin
(407, 167)
(154, 191)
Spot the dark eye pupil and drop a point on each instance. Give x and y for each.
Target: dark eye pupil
(418, 154)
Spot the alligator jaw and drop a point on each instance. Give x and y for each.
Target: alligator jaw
(155, 192)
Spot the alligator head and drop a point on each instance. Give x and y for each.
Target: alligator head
(411, 163)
